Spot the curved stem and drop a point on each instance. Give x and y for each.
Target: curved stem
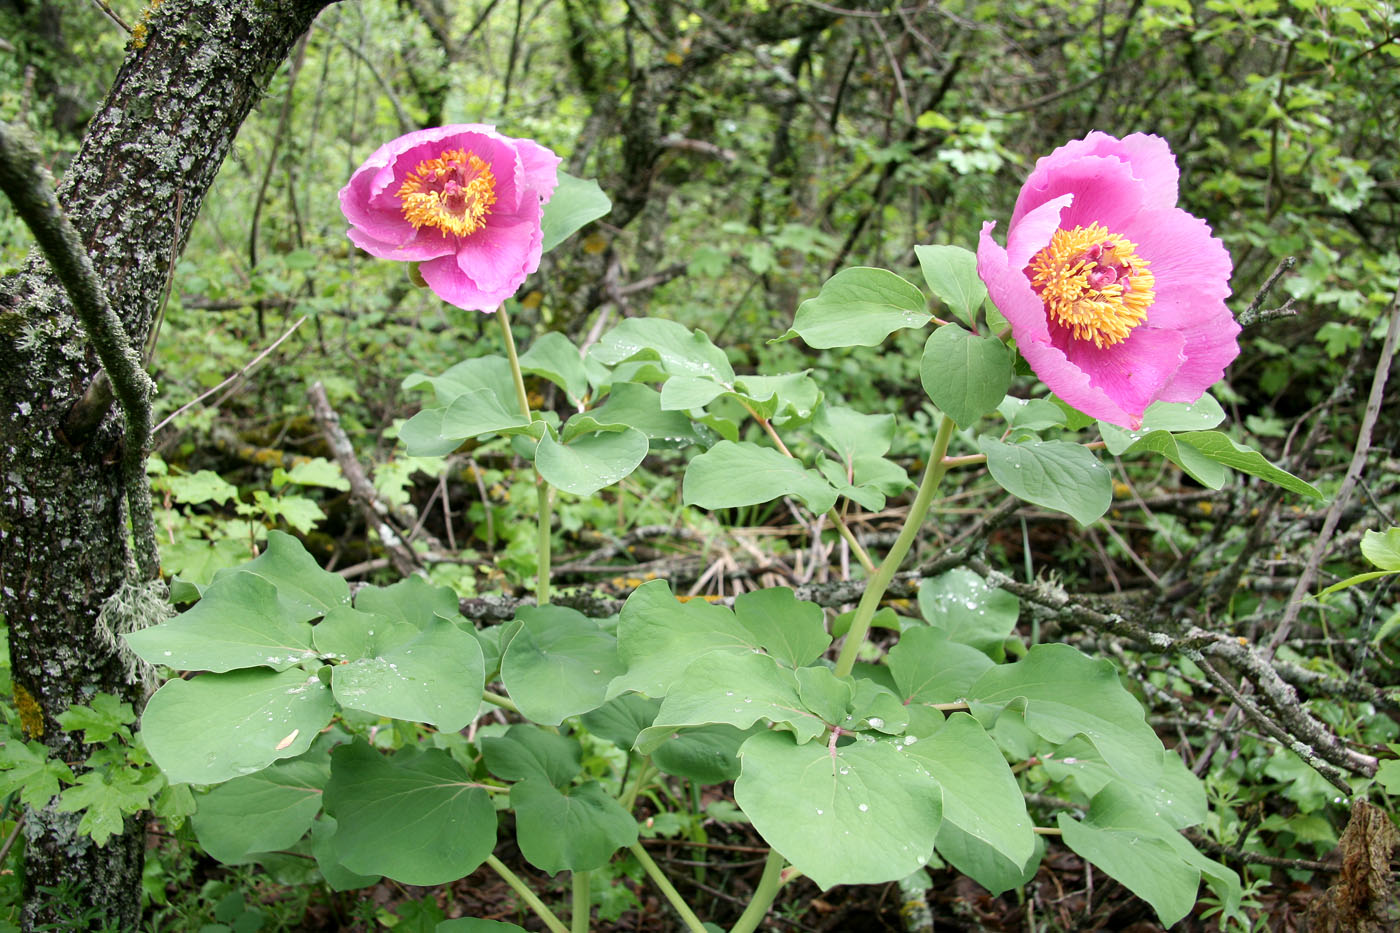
(875, 590)
(688, 917)
(545, 496)
(526, 895)
(763, 895)
(498, 700)
(582, 901)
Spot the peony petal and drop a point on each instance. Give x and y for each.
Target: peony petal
(1104, 190)
(454, 287)
(1210, 347)
(429, 244)
(1032, 233)
(356, 203)
(1153, 163)
(1131, 373)
(1191, 267)
(541, 168)
(499, 257)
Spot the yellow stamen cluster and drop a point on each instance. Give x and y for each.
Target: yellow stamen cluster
(1093, 283)
(453, 193)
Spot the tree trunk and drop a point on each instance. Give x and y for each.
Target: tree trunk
(194, 70)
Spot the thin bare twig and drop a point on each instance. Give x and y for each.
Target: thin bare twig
(231, 379)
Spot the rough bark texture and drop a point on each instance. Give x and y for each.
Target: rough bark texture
(188, 82)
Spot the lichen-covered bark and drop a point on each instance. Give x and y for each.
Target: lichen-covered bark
(158, 140)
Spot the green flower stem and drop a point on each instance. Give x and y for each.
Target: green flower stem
(875, 590)
(763, 895)
(582, 901)
(688, 917)
(542, 546)
(520, 395)
(546, 500)
(497, 700)
(526, 895)
(644, 773)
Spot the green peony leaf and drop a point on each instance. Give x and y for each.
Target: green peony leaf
(1056, 474)
(951, 274)
(416, 817)
(576, 829)
(221, 726)
(260, 812)
(859, 814)
(575, 202)
(859, 307)
(965, 375)
(768, 475)
(559, 664)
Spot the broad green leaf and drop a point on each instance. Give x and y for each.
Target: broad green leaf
(679, 350)
(658, 637)
(412, 599)
(575, 202)
(928, 668)
(1197, 465)
(951, 274)
(590, 462)
(27, 768)
(1382, 548)
(1388, 776)
(423, 436)
(794, 632)
(620, 719)
(221, 726)
(850, 433)
(859, 814)
(767, 475)
(416, 817)
(555, 357)
(980, 794)
(784, 397)
(1067, 693)
(239, 623)
(527, 751)
(261, 812)
(1221, 449)
(738, 689)
(859, 307)
(576, 829)
(683, 393)
(433, 674)
(869, 499)
(708, 754)
(972, 613)
(876, 706)
(1122, 836)
(303, 587)
(559, 664)
(1034, 414)
(965, 375)
(480, 412)
(823, 693)
(1201, 415)
(1056, 474)
(1177, 796)
(640, 407)
(984, 864)
(337, 875)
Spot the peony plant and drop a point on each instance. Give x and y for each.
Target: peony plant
(857, 763)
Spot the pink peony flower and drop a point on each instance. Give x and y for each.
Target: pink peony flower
(1115, 295)
(463, 201)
